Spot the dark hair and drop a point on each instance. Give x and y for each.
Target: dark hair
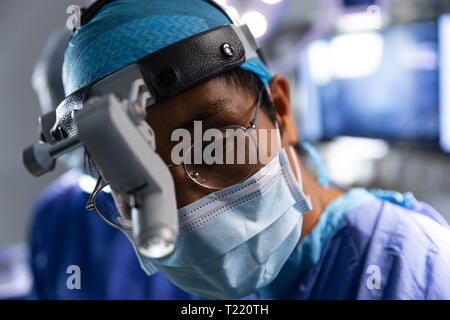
(239, 78)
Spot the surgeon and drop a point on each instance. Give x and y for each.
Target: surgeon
(64, 233)
(272, 232)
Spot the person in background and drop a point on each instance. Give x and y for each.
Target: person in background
(64, 233)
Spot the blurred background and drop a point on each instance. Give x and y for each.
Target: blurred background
(369, 87)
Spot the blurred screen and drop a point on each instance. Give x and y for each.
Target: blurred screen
(378, 84)
(444, 36)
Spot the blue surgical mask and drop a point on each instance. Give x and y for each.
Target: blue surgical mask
(235, 241)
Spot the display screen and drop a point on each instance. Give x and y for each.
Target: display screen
(444, 46)
(381, 84)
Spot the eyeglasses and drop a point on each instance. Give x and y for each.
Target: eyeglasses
(235, 157)
(231, 158)
(100, 202)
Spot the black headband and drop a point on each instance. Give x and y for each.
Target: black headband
(166, 72)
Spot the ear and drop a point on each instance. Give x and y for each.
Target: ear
(280, 90)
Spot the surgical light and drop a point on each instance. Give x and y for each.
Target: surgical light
(272, 1)
(87, 184)
(350, 160)
(257, 23)
(360, 21)
(223, 3)
(356, 55)
(319, 62)
(233, 12)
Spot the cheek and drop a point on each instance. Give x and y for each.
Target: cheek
(186, 190)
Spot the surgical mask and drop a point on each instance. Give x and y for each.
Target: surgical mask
(235, 241)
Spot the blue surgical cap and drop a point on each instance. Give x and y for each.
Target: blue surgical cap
(125, 31)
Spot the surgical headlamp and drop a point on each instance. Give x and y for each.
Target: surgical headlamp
(107, 118)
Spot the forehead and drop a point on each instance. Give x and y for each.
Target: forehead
(216, 95)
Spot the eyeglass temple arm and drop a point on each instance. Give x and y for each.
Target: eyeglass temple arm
(255, 120)
(90, 202)
(173, 165)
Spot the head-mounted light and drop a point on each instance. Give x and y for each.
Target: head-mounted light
(107, 117)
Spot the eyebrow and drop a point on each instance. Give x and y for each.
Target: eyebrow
(206, 111)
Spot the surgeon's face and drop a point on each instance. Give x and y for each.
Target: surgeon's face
(217, 104)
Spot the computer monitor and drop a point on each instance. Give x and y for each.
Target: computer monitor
(444, 48)
(379, 84)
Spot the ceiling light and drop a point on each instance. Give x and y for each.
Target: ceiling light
(256, 22)
(272, 1)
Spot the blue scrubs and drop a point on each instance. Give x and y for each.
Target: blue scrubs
(378, 245)
(64, 233)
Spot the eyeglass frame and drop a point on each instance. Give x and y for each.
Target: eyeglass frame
(248, 129)
(91, 203)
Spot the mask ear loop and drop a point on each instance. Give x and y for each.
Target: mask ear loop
(297, 166)
(299, 175)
